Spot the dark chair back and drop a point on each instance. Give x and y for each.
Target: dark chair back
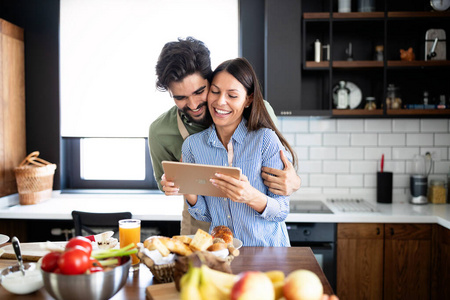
(89, 222)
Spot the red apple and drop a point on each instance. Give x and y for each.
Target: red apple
(302, 285)
(252, 285)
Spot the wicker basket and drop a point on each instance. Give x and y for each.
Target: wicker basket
(34, 177)
(161, 273)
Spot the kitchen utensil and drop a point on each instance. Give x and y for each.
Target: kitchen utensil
(355, 97)
(98, 285)
(16, 246)
(384, 187)
(419, 179)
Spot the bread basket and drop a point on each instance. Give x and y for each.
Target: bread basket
(34, 177)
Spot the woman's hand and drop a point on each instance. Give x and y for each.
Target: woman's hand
(281, 182)
(240, 191)
(169, 187)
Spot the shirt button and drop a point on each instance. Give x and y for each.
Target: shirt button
(229, 217)
(224, 199)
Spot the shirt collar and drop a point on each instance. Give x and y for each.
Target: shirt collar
(238, 135)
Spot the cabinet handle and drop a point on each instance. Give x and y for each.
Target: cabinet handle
(378, 231)
(392, 231)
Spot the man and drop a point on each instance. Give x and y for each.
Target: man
(184, 70)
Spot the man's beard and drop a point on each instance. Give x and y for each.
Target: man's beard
(206, 120)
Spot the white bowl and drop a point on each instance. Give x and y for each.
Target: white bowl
(15, 282)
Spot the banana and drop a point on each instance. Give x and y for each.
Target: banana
(275, 275)
(189, 284)
(215, 284)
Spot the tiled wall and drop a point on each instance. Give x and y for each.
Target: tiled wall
(342, 156)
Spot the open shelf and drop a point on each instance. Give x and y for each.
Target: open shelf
(418, 112)
(418, 63)
(357, 112)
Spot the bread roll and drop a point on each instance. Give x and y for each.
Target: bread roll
(217, 247)
(201, 241)
(183, 238)
(223, 232)
(178, 247)
(156, 243)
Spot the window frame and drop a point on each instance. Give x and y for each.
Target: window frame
(71, 170)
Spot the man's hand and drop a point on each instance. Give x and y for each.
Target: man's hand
(169, 187)
(281, 182)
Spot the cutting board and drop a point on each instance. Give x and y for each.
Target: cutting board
(30, 251)
(163, 291)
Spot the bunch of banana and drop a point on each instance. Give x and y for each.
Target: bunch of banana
(277, 277)
(204, 283)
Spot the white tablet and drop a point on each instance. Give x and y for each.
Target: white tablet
(194, 178)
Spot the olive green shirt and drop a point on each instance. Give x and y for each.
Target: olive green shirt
(165, 140)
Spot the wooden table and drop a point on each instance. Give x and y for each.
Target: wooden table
(251, 258)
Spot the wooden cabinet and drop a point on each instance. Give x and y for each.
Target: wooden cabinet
(440, 263)
(12, 105)
(302, 86)
(360, 261)
(384, 261)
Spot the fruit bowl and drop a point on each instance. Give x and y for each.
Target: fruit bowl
(98, 285)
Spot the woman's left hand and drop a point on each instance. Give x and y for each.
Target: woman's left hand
(240, 191)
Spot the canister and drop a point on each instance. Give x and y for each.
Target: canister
(437, 192)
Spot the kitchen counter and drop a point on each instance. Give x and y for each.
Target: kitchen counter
(158, 207)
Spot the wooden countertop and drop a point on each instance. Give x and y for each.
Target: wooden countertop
(251, 258)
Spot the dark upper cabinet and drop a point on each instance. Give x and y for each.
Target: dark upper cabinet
(295, 84)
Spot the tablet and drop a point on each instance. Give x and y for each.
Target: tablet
(194, 178)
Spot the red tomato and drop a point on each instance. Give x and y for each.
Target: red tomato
(94, 265)
(50, 261)
(81, 242)
(73, 261)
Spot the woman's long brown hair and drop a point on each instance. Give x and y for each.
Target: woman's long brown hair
(256, 114)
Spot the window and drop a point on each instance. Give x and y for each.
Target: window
(108, 53)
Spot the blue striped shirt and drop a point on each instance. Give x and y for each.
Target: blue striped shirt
(252, 151)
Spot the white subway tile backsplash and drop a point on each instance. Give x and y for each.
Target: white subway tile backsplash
(350, 180)
(419, 139)
(336, 139)
(302, 152)
(370, 180)
(433, 125)
(309, 166)
(442, 139)
(350, 153)
(322, 153)
(344, 125)
(308, 139)
(376, 153)
(400, 181)
(405, 125)
(336, 166)
(391, 139)
(293, 124)
(342, 156)
(360, 167)
(404, 153)
(322, 125)
(377, 125)
(363, 139)
(322, 180)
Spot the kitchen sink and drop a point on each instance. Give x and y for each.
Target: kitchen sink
(309, 207)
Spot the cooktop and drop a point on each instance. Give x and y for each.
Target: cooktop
(309, 207)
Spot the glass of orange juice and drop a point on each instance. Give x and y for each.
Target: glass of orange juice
(130, 232)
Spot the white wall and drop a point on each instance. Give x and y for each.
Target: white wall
(342, 156)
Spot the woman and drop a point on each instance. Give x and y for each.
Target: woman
(243, 136)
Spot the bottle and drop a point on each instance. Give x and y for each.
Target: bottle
(425, 98)
(370, 103)
(317, 51)
(379, 53)
(342, 96)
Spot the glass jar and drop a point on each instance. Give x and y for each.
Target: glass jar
(370, 103)
(393, 100)
(437, 192)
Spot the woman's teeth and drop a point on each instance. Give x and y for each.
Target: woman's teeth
(222, 112)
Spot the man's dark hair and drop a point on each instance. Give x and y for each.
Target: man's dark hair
(182, 58)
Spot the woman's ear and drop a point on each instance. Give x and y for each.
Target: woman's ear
(249, 101)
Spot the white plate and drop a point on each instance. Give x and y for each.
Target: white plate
(3, 238)
(355, 94)
(237, 243)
